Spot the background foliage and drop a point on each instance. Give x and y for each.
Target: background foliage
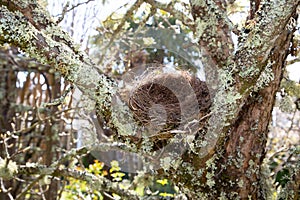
(38, 107)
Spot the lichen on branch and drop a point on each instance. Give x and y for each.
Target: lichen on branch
(40, 38)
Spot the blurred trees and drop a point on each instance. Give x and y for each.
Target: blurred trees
(59, 109)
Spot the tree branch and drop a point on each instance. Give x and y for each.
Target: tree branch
(95, 182)
(66, 9)
(213, 31)
(254, 6)
(257, 45)
(117, 31)
(238, 78)
(176, 13)
(20, 63)
(49, 45)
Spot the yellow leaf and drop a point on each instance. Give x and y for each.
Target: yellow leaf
(166, 194)
(163, 12)
(162, 182)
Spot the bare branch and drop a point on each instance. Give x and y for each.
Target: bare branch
(295, 60)
(117, 31)
(176, 13)
(50, 45)
(28, 187)
(95, 182)
(66, 9)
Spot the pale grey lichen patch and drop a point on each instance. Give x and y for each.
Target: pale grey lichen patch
(58, 35)
(166, 163)
(265, 77)
(199, 2)
(266, 28)
(202, 28)
(147, 145)
(24, 4)
(210, 166)
(241, 183)
(16, 29)
(265, 181)
(253, 42)
(210, 182)
(43, 21)
(223, 196)
(226, 78)
(56, 32)
(252, 169)
(287, 104)
(238, 161)
(42, 45)
(249, 71)
(7, 168)
(226, 102)
(122, 118)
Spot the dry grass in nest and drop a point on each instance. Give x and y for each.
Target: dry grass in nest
(163, 101)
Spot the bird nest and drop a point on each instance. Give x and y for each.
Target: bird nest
(166, 101)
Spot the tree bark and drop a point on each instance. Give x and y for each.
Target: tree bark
(8, 95)
(249, 79)
(246, 142)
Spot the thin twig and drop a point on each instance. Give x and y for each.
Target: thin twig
(66, 10)
(91, 179)
(176, 13)
(25, 190)
(128, 14)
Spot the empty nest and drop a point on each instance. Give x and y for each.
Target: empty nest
(164, 101)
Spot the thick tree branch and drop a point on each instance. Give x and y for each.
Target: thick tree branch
(20, 63)
(267, 42)
(38, 36)
(261, 57)
(239, 78)
(271, 21)
(213, 31)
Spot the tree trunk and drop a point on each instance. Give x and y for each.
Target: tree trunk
(231, 168)
(8, 95)
(246, 142)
